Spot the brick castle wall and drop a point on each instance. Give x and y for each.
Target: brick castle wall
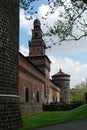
(28, 109)
(32, 79)
(10, 116)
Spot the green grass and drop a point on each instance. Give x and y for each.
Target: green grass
(51, 118)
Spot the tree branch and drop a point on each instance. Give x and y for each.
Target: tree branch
(75, 38)
(79, 14)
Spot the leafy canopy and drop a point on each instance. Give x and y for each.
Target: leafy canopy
(72, 21)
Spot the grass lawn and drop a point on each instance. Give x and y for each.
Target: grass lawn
(51, 118)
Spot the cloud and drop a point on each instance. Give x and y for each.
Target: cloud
(25, 24)
(74, 68)
(24, 50)
(42, 11)
(49, 19)
(68, 46)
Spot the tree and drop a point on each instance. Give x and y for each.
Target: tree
(78, 94)
(72, 22)
(27, 5)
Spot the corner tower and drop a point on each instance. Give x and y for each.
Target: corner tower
(37, 48)
(63, 81)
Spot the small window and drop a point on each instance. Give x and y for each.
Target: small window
(53, 99)
(26, 95)
(65, 92)
(36, 35)
(37, 96)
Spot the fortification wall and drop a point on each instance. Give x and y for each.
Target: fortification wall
(10, 116)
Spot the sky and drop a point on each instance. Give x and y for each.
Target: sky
(70, 56)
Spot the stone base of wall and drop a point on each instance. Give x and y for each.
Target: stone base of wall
(9, 113)
(27, 109)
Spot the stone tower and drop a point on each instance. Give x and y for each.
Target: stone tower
(10, 116)
(37, 48)
(63, 81)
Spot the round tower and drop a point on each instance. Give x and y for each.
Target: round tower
(63, 81)
(10, 116)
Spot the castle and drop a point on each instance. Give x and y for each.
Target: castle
(35, 85)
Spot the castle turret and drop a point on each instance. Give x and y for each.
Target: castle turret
(37, 45)
(37, 48)
(63, 81)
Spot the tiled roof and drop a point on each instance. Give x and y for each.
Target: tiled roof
(60, 73)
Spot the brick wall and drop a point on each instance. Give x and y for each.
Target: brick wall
(54, 92)
(10, 116)
(28, 109)
(32, 79)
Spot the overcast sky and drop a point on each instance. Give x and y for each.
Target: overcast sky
(70, 56)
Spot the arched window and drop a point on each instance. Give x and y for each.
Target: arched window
(37, 96)
(53, 99)
(27, 95)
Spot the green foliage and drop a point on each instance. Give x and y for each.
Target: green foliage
(51, 118)
(71, 18)
(28, 7)
(78, 93)
(62, 29)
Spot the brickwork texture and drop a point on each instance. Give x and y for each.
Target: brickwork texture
(10, 116)
(34, 80)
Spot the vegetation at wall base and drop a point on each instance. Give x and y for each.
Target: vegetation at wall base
(61, 107)
(52, 118)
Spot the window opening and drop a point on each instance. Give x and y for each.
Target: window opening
(27, 95)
